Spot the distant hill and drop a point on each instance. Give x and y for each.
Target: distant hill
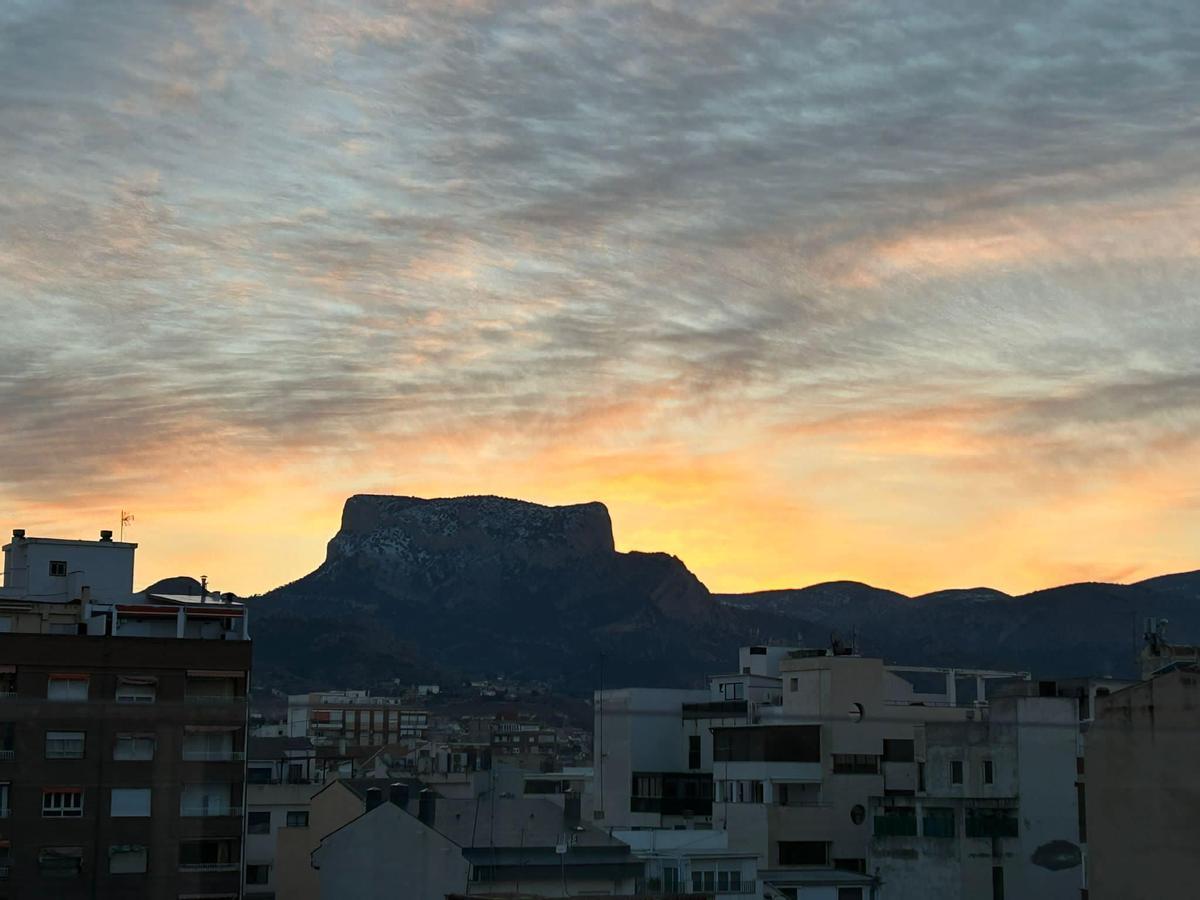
(415, 589)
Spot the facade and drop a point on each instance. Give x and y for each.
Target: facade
(1143, 789)
(687, 861)
(435, 847)
(995, 810)
(353, 719)
(281, 777)
(122, 729)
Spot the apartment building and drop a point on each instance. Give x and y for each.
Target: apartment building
(281, 778)
(353, 719)
(122, 729)
(995, 812)
(1143, 788)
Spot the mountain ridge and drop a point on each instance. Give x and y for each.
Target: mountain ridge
(485, 585)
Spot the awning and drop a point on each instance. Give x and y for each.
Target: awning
(70, 676)
(138, 679)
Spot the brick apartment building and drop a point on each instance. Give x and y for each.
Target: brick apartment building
(122, 730)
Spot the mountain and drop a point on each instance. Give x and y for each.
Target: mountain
(419, 589)
(487, 586)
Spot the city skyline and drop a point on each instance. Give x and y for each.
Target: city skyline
(802, 293)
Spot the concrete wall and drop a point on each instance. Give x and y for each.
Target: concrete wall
(277, 800)
(388, 854)
(1143, 790)
(331, 808)
(104, 566)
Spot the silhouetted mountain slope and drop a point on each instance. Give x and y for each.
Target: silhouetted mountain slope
(417, 589)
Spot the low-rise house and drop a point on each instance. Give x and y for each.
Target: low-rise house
(435, 847)
(280, 781)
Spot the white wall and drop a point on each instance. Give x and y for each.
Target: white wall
(104, 566)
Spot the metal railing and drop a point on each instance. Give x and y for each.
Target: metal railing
(8, 754)
(209, 811)
(212, 698)
(213, 755)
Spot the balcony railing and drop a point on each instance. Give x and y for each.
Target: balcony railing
(8, 754)
(212, 699)
(209, 811)
(7, 695)
(210, 867)
(213, 755)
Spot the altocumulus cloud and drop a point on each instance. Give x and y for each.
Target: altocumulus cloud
(296, 227)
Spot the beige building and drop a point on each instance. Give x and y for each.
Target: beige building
(1143, 789)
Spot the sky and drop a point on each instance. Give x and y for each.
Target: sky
(900, 292)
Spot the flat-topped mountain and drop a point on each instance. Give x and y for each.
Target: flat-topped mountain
(419, 589)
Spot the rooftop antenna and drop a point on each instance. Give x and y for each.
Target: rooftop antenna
(126, 519)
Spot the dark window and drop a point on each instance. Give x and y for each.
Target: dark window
(258, 823)
(921, 777)
(258, 775)
(694, 751)
(997, 883)
(214, 852)
(803, 853)
(793, 684)
(776, 743)
(758, 651)
(60, 862)
(850, 893)
(898, 750)
(258, 874)
(297, 818)
(897, 821)
(295, 773)
(58, 567)
(991, 823)
(855, 764)
(989, 771)
(939, 822)
(956, 771)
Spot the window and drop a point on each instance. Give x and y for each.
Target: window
(997, 882)
(855, 764)
(127, 859)
(939, 822)
(297, 818)
(777, 743)
(134, 747)
(898, 750)
(850, 893)
(62, 803)
(732, 690)
(896, 821)
(693, 751)
(4, 789)
(6, 624)
(65, 744)
(803, 853)
(60, 862)
(672, 884)
(988, 771)
(258, 775)
(851, 864)
(139, 691)
(920, 777)
(130, 803)
(793, 684)
(956, 771)
(212, 854)
(259, 874)
(58, 568)
(991, 823)
(206, 800)
(258, 823)
(208, 746)
(67, 687)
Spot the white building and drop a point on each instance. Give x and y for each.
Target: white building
(699, 862)
(353, 718)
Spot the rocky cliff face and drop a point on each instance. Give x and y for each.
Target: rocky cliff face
(490, 585)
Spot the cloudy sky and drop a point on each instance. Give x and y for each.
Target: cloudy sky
(903, 292)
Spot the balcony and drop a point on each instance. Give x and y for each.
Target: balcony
(211, 867)
(213, 755)
(196, 812)
(213, 699)
(7, 754)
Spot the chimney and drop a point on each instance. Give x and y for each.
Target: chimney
(106, 535)
(18, 534)
(374, 798)
(571, 810)
(398, 794)
(427, 806)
